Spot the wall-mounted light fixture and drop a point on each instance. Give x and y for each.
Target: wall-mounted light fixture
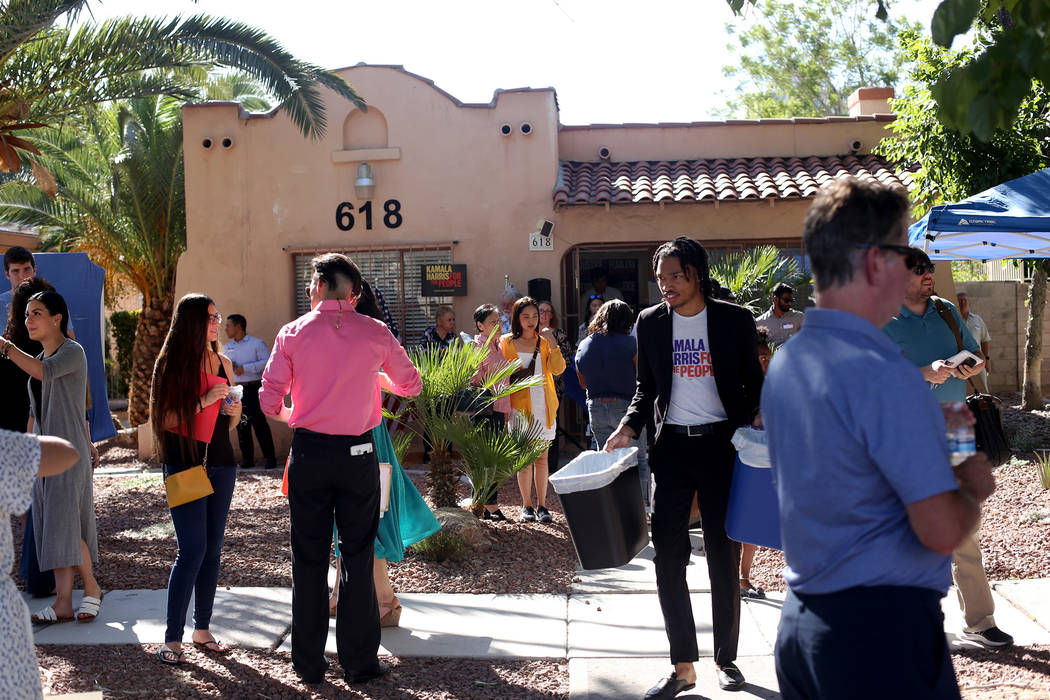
(364, 185)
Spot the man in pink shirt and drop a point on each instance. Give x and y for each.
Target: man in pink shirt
(333, 361)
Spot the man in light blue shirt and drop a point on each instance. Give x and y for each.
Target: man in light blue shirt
(870, 509)
(249, 355)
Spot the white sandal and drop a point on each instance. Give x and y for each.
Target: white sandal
(47, 616)
(89, 608)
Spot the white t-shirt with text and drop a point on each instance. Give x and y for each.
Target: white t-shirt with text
(694, 396)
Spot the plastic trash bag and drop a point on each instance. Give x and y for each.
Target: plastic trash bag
(592, 470)
(752, 447)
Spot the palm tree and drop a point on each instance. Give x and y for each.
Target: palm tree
(50, 72)
(117, 173)
(753, 274)
(121, 198)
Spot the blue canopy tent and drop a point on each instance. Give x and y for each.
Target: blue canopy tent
(80, 282)
(1011, 220)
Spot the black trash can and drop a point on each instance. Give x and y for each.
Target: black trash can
(607, 523)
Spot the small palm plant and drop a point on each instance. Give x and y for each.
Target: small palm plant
(447, 375)
(1042, 467)
(492, 454)
(753, 274)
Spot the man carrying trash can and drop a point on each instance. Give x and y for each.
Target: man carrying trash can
(699, 380)
(870, 509)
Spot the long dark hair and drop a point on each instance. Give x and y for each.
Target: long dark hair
(176, 382)
(614, 316)
(690, 254)
(16, 320)
(55, 303)
(515, 318)
(367, 303)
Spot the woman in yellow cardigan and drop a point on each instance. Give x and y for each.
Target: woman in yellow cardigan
(537, 349)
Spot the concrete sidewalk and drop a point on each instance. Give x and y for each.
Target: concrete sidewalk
(609, 627)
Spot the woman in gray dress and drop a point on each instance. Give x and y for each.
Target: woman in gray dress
(63, 506)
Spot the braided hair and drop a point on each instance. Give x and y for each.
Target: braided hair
(690, 254)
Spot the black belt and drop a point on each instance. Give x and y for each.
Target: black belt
(356, 439)
(698, 430)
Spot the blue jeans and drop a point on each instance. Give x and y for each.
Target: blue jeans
(199, 527)
(605, 415)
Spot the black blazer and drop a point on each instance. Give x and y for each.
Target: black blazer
(733, 341)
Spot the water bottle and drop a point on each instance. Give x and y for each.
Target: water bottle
(962, 443)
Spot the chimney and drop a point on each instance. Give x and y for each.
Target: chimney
(870, 100)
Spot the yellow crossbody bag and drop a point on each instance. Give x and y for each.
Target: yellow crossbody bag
(187, 486)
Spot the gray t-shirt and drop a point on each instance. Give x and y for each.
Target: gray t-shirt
(781, 327)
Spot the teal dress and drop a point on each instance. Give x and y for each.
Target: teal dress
(408, 518)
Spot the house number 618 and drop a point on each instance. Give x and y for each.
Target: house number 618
(344, 214)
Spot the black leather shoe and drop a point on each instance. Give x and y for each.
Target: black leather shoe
(376, 671)
(269, 463)
(668, 687)
(729, 677)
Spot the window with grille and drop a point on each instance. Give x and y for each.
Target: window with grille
(396, 272)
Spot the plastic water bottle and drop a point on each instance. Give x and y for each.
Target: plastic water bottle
(962, 443)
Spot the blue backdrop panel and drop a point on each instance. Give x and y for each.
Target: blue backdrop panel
(80, 282)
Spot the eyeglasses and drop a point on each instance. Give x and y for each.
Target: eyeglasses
(787, 300)
(214, 318)
(595, 296)
(911, 255)
(921, 270)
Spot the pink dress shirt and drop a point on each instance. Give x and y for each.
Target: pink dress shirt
(333, 374)
(493, 361)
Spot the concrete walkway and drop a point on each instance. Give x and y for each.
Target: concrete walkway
(609, 627)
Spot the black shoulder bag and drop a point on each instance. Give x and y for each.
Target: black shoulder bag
(526, 370)
(989, 426)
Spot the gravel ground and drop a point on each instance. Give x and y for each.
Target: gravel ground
(1019, 673)
(131, 670)
(137, 543)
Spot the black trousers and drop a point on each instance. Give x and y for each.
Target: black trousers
(864, 643)
(254, 419)
(683, 466)
(325, 481)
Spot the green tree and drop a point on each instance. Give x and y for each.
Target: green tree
(121, 198)
(952, 165)
(985, 93)
(804, 59)
(52, 71)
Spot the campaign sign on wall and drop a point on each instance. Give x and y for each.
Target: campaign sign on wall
(443, 280)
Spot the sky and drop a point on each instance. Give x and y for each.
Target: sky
(611, 61)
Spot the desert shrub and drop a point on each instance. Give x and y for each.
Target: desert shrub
(441, 546)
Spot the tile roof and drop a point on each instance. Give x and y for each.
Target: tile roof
(712, 180)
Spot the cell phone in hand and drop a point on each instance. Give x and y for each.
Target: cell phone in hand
(964, 358)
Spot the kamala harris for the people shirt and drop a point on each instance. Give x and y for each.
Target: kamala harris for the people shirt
(333, 361)
(694, 395)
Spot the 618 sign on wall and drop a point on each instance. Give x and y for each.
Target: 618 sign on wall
(344, 214)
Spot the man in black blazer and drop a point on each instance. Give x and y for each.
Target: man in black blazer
(699, 380)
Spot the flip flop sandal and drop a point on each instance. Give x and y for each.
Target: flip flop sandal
(89, 607)
(169, 656)
(214, 647)
(47, 616)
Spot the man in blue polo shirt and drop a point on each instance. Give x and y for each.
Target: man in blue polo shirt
(928, 341)
(870, 509)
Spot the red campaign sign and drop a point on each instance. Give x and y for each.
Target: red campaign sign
(443, 280)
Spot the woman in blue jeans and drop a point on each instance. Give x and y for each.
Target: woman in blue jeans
(606, 363)
(191, 424)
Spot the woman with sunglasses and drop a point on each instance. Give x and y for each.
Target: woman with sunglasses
(594, 302)
(63, 506)
(191, 426)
